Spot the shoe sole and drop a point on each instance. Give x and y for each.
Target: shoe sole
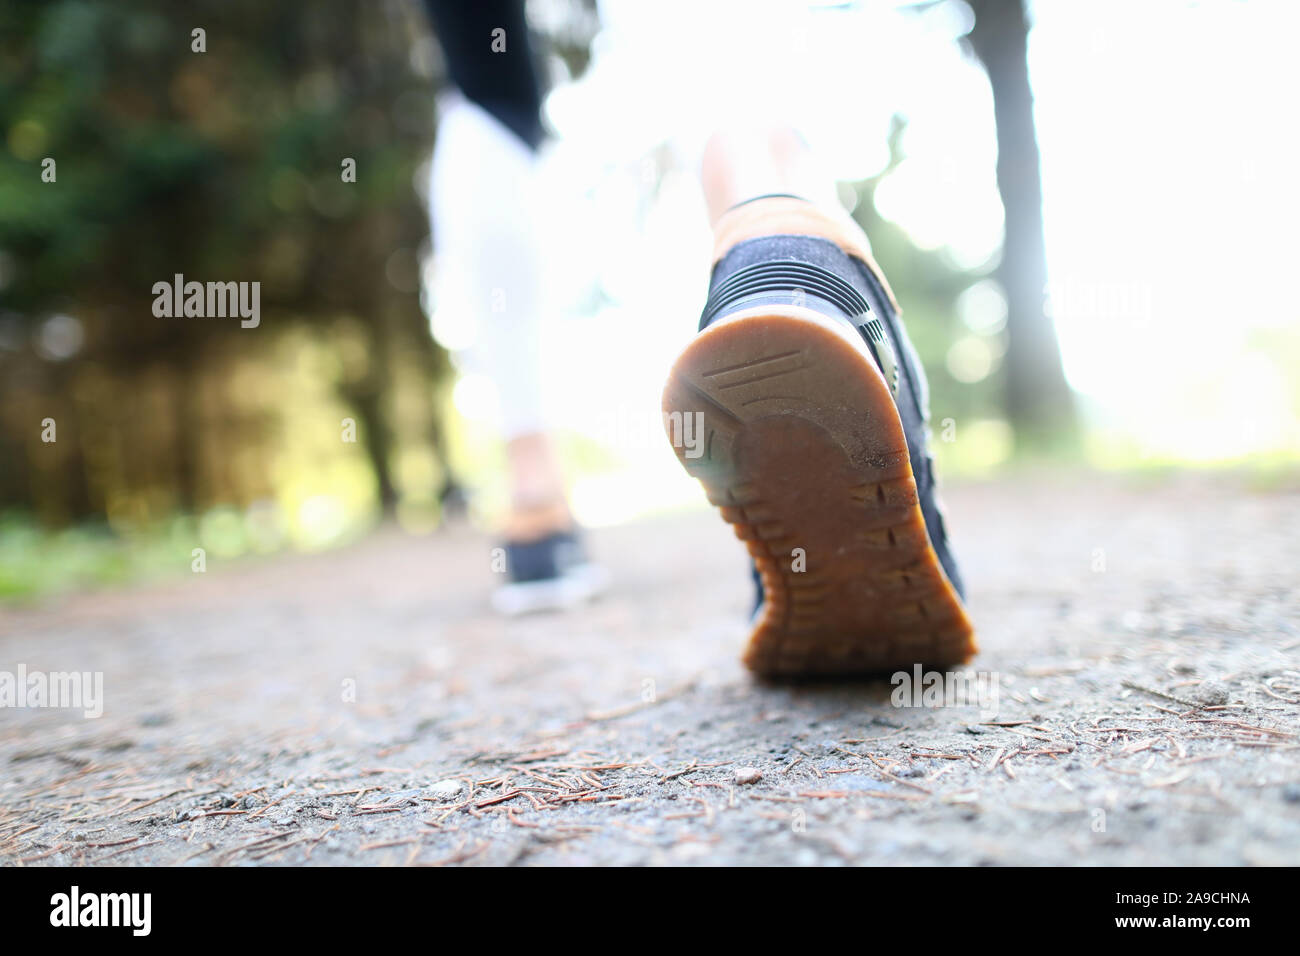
(801, 448)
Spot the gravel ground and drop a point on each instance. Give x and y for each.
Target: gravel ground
(364, 706)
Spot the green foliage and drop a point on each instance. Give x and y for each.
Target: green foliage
(222, 165)
(171, 160)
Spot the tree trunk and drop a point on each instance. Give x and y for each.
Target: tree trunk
(1038, 401)
(367, 398)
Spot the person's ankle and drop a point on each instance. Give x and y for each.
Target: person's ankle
(787, 214)
(534, 472)
(532, 521)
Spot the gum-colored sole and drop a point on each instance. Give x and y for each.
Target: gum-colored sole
(802, 450)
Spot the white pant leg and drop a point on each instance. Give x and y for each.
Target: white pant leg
(486, 237)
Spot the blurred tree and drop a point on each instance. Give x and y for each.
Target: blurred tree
(1039, 403)
(221, 164)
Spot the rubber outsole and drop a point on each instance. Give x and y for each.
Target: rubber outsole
(802, 450)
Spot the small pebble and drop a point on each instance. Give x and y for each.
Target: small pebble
(1211, 693)
(745, 775)
(446, 788)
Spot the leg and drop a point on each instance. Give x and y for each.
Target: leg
(483, 214)
(485, 223)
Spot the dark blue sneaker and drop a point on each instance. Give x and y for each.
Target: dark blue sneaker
(550, 573)
(813, 409)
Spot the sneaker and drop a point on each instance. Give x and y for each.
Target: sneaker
(548, 574)
(813, 411)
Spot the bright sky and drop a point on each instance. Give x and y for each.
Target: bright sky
(1169, 146)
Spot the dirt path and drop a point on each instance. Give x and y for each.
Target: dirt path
(615, 736)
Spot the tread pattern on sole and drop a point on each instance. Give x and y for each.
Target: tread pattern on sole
(803, 450)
